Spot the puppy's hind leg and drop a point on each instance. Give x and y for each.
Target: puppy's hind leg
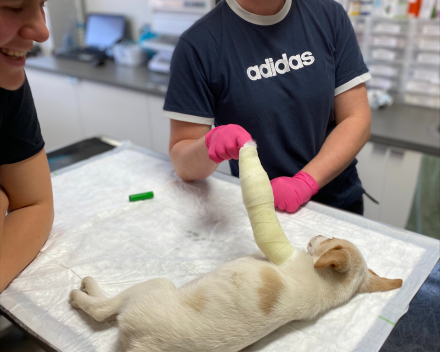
(99, 308)
(91, 287)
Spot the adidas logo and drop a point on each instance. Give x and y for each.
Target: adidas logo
(270, 69)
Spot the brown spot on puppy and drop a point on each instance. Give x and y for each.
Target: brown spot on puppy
(197, 300)
(271, 290)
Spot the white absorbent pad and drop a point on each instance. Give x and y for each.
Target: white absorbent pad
(186, 230)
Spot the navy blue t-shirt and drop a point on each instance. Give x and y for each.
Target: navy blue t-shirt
(20, 134)
(277, 77)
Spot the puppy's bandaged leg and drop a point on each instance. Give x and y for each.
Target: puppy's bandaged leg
(259, 202)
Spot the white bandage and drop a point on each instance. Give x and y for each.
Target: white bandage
(258, 200)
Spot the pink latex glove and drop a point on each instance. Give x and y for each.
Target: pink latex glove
(290, 192)
(224, 142)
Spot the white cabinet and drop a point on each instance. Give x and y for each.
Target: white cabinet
(70, 109)
(400, 185)
(389, 175)
(224, 167)
(371, 167)
(114, 112)
(160, 125)
(56, 102)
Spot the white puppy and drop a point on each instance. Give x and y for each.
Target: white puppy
(237, 304)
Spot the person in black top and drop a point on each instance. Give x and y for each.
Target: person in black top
(26, 201)
(288, 74)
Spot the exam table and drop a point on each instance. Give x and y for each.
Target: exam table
(417, 330)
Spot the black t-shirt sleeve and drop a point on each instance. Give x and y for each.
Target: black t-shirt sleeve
(20, 134)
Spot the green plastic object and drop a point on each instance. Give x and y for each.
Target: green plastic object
(141, 196)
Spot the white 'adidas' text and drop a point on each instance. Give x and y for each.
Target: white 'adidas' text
(270, 69)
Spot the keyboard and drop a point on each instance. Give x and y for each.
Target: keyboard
(86, 54)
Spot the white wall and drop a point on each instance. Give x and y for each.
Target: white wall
(58, 15)
(136, 11)
(48, 46)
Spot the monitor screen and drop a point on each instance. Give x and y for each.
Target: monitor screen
(102, 31)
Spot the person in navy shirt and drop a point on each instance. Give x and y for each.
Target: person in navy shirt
(26, 201)
(288, 74)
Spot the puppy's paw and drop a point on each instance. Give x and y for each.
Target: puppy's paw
(88, 285)
(74, 297)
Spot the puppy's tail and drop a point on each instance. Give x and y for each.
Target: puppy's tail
(259, 202)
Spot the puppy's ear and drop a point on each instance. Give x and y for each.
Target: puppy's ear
(375, 283)
(337, 258)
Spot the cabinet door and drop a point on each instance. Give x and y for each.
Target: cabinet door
(389, 175)
(224, 167)
(55, 99)
(160, 125)
(114, 112)
(400, 184)
(372, 170)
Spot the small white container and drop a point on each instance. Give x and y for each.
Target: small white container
(129, 54)
(384, 70)
(382, 83)
(385, 55)
(388, 42)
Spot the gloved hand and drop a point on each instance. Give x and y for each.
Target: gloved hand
(290, 192)
(224, 142)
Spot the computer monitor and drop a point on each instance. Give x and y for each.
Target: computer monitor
(102, 31)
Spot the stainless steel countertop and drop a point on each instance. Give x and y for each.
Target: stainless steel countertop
(399, 126)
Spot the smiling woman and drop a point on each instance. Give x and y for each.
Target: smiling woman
(21, 23)
(26, 202)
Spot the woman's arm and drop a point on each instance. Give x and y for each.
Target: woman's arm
(196, 150)
(188, 151)
(27, 187)
(352, 131)
(4, 205)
